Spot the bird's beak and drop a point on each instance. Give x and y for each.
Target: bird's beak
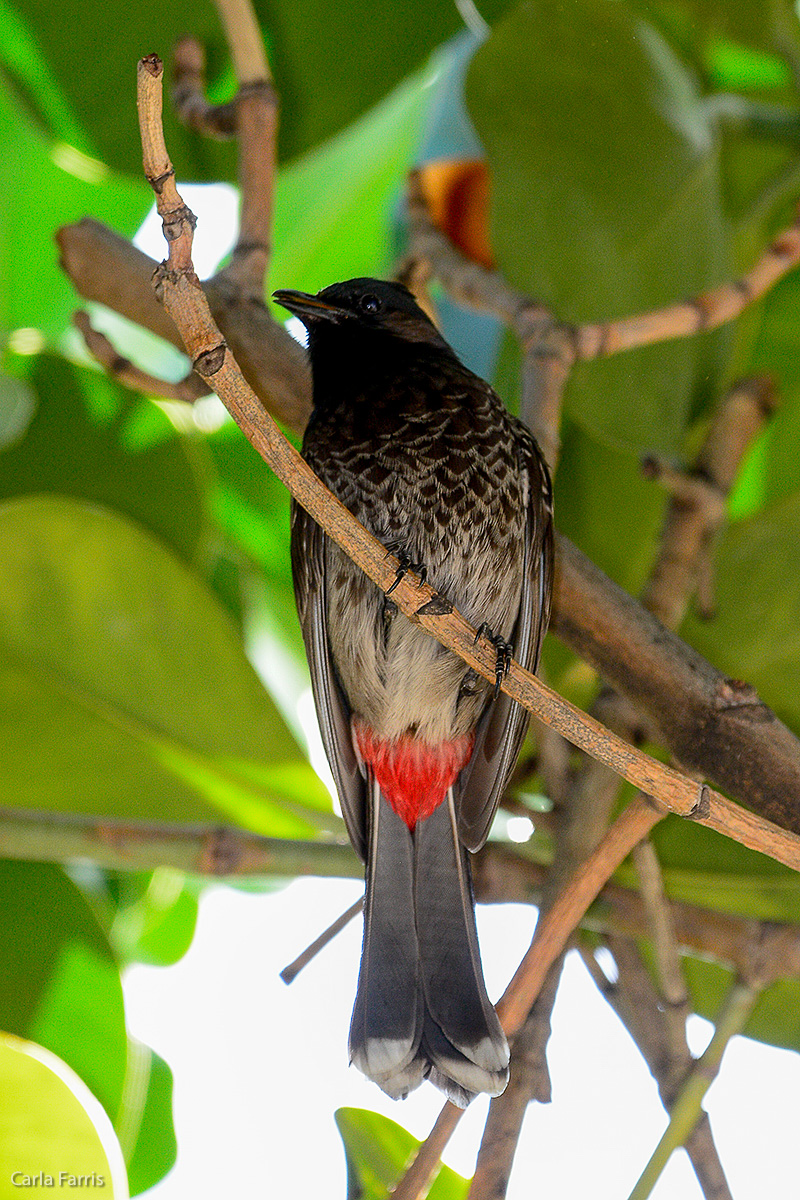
(308, 307)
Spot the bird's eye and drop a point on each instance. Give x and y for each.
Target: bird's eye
(370, 303)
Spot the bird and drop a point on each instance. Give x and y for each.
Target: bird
(425, 454)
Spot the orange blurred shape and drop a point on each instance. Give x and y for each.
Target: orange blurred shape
(457, 195)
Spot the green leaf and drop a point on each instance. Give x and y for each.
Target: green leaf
(333, 208)
(155, 917)
(75, 446)
(378, 1152)
(55, 1134)
(125, 690)
(605, 197)
(755, 633)
(59, 983)
(154, 1148)
(46, 183)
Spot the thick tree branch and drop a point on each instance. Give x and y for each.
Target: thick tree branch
(107, 269)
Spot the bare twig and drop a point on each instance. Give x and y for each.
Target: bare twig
(707, 311)
(290, 973)
(189, 389)
(216, 851)
(639, 1006)
(188, 93)
(673, 988)
(687, 1107)
(479, 287)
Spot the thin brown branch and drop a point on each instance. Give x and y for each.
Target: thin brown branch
(638, 1006)
(188, 93)
(256, 128)
(672, 985)
(706, 311)
(472, 284)
(686, 1109)
(215, 851)
(244, 38)
(713, 725)
(290, 972)
(698, 508)
(189, 389)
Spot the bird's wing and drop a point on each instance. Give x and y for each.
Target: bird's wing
(502, 727)
(333, 713)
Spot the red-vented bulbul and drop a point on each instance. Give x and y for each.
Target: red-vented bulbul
(424, 453)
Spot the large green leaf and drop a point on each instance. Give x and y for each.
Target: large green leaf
(59, 983)
(379, 1151)
(45, 183)
(605, 196)
(52, 1133)
(333, 213)
(331, 62)
(76, 445)
(125, 689)
(755, 633)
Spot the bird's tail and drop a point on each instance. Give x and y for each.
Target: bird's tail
(422, 1008)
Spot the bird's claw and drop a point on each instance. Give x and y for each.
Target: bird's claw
(406, 565)
(504, 651)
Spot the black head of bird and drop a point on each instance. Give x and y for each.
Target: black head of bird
(361, 309)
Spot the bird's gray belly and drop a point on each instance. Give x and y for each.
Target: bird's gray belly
(396, 676)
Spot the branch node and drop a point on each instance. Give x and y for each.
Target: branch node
(221, 852)
(210, 361)
(701, 809)
(437, 606)
(153, 65)
(735, 693)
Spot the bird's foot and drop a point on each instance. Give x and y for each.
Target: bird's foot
(504, 651)
(405, 566)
